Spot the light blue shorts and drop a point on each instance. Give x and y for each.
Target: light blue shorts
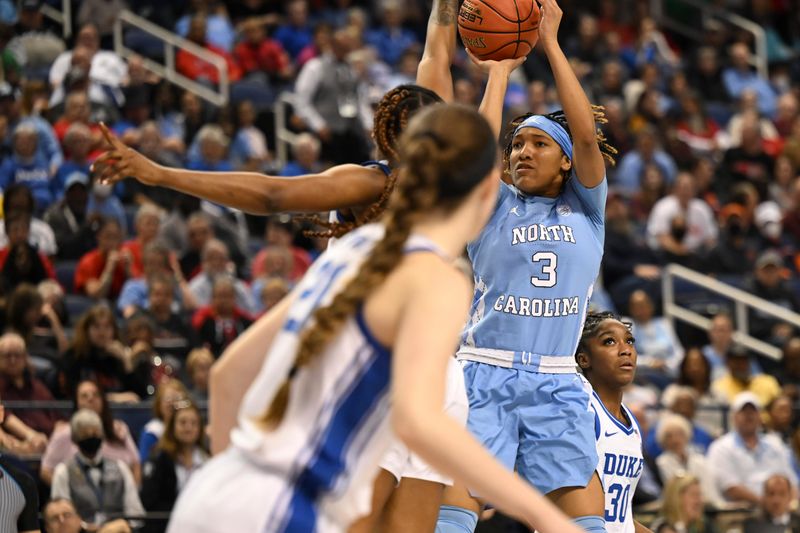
(542, 425)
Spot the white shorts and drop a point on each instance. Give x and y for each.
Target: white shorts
(401, 462)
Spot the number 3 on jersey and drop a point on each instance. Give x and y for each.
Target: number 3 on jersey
(549, 262)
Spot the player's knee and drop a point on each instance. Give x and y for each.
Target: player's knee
(456, 520)
(591, 524)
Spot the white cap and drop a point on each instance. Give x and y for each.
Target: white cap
(745, 398)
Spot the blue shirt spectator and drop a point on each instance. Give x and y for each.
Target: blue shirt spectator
(740, 77)
(219, 30)
(630, 168)
(391, 39)
(297, 33)
(28, 168)
(102, 202)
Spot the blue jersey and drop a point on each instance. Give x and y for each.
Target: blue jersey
(534, 266)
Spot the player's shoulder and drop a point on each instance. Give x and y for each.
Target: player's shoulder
(430, 273)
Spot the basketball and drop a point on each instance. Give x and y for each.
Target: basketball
(499, 29)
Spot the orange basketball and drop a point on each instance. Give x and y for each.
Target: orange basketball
(499, 29)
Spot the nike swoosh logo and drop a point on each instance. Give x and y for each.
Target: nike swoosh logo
(611, 434)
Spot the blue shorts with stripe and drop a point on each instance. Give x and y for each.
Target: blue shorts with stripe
(542, 425)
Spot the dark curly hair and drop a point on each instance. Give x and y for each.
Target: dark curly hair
(391, 118)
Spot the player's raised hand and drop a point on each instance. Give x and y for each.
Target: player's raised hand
(120, 162)
(550, 20)
(486, 65)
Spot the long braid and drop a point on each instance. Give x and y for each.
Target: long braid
(391, 119)
(419, 191)
(608, 151)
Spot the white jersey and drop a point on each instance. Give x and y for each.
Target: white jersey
(315, 471)
(619, 449)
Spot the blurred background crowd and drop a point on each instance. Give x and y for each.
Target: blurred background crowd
(116, 299)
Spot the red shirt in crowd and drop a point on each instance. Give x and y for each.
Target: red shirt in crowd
(195, 68)
(268, 55)
(91, 266)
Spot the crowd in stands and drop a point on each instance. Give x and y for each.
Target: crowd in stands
(128, 293)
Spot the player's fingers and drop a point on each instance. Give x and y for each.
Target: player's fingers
(472, 57)
(109, 137)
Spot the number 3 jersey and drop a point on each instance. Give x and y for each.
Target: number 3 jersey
(534, 266)
(619, 448)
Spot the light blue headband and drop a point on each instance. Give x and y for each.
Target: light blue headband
(551, 128)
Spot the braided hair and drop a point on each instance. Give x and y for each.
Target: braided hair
(440, 168)
(391, 118)
(608, 151)
(591, 326)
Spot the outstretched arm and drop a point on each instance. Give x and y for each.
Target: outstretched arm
(234, 372)
(338, 187)
(440, 49)
(587, 159)
(494, 95)
(419, 359)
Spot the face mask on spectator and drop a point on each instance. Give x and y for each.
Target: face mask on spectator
(90, 445)
(102, 190)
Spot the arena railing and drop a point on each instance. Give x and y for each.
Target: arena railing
(218, 95)
(63, 17)
(708, 12)
(742, 300)
(284, 137)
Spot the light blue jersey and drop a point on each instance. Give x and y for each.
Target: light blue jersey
(534, 266)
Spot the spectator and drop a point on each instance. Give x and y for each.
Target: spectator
(18, 197)
(296, 34)
(34, 43)
(211, 150)
(19, 261)
(199, 233)
(104, 70)
(97, 354)
(681, 225)
(19, 496)
(179, 454)
(739, 379)
(787, 113)
(695, 373)
(660, 351)
(788, 374)
(17, 438)
(332, 104)
(77, 147)
(780, 418)
(74, 229)
(631, 165)
(628, 263)
(157, 259)
(102, 202)
(781, 189)
(197, 69)
(768, 283)
(791, 218)
(38, 324)
(169, 394)
(27, 167)
(706, 77)
(216, 262)
(198, 368)
(735, 251)
(720, 336)
(391, 39)
(101, 14)
(77, 110)
(775, 514)
(679, 459)
(117, 441)
(269, 292)
(47, 146)
(280, 232)
(739, 77)
(219, 31)
(306, 151)
(249, 147)
(219, 323)
(102, 272)
(749, 116)
(79, 477)
(680, 400)
(747, 162)
(256, 53)
(321, 44)
(61, 516)
(18, 384)
(172, 333)
(682, 509)
(738, 471)
(146, 225)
